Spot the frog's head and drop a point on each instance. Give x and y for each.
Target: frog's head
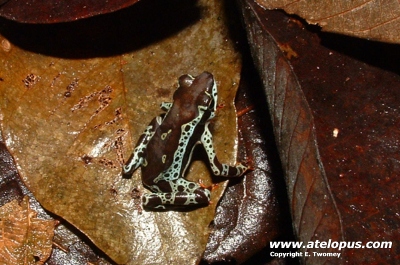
(200, 91)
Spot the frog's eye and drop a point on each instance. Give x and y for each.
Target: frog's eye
(186, 80)
(208, 96)
(203, 99)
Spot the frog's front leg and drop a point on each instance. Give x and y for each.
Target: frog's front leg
(176, 193)
(137, 157)
(217, 167)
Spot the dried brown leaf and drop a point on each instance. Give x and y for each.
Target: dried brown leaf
(377, 20)
(70, 124)
(24, 238)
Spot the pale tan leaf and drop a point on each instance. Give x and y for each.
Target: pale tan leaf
(24, 238)
(377, 20)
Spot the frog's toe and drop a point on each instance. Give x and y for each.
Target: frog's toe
(210, 188)
(199, 197)
(155, 200)
(246, 166)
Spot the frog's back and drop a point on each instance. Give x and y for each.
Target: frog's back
(169, 150)
(163, 146)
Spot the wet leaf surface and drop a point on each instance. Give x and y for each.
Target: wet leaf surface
(25, 239)
(42, 11)
(336, 124)
(377, 20)
(70, 123)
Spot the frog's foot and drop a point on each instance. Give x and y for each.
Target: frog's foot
(210, 188)
(199, 197)
(249, 164)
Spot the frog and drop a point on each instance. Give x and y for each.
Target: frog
(164, 150)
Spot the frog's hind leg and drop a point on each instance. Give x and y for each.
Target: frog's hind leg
(183, 193)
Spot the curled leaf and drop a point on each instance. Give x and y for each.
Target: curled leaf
(313, 208)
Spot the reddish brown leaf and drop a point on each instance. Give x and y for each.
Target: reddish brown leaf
(43, 11)
(313, 208)
(337, 130)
